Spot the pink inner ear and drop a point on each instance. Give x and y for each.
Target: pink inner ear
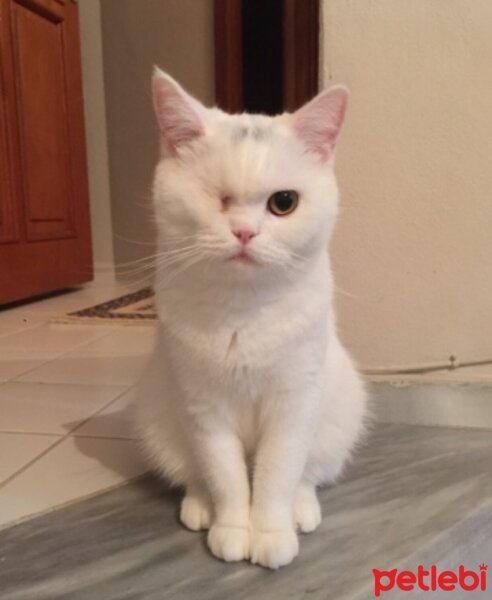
(178, 121)
(318, 123)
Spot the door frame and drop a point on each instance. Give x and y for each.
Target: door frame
(301, 29)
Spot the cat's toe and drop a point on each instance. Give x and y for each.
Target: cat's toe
(195, 513)
(274, 549)
(307, 513)
(229, 543)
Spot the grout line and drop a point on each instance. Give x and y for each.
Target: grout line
(104, 437)
(58, 442)
(100, 410)
(40, 433)
(31, 462)
(77, 435)
(55, 383)
(41, 364)
(21, 329)
(46, 321)
(57, 357)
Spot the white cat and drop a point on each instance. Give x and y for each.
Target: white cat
(249, 401)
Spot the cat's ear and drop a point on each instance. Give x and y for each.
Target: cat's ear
(318, 122)
(181, 118)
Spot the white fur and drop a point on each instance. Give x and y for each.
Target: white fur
(249, 400)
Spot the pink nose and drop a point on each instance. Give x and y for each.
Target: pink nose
(244, 235)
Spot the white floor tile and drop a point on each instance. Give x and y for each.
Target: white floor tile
(64, 375)
(17, 449)
(51, 408)
(71, 300)
(14, 363)
(76, 468)
(48, 340)
(13, 321)
(72, 368)
(131, 340)
(115, 421)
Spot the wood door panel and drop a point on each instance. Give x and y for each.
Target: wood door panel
(8, 213)
(41, 94)
(50, 9)
(45, 240)
(8, 221)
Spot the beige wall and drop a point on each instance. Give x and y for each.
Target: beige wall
(413, 247)
(177, 35)
(95, 128)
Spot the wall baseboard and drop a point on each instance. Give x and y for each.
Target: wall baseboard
(441, 404)
(104, 273)
(104, 267)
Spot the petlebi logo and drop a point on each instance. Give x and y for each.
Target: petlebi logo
(430, 580)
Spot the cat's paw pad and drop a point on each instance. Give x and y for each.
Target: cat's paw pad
(307, 513)
(229, 543)
(195, 513)
(274, 549)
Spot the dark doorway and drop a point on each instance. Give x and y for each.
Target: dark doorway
(266, 54)
(262, 56)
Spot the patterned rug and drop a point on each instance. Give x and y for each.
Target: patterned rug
(136, 308)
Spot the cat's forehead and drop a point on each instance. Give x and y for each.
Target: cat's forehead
(240, 133)
(245, 127)
(243, 153)
(244, 156)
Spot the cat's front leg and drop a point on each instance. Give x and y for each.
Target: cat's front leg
(220, 456)
(279, 464)
(195, 512)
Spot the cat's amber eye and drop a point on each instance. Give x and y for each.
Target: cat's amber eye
(283, 203)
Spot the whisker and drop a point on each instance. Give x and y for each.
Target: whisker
(136, 242)
(164, 283)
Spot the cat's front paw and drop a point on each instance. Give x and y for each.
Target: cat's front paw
(195, 512)
(307, 511)
(274, 549)
(229, 543)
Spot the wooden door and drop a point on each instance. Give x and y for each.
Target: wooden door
(45, 241)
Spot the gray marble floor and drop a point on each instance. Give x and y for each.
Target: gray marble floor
(414, 495)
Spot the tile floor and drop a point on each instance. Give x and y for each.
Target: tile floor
(65, 390)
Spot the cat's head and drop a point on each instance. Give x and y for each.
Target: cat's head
(246, 195)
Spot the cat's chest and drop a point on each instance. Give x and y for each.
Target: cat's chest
(238, 344)
(235, 350)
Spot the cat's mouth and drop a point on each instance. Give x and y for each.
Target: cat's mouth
(243, 257)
